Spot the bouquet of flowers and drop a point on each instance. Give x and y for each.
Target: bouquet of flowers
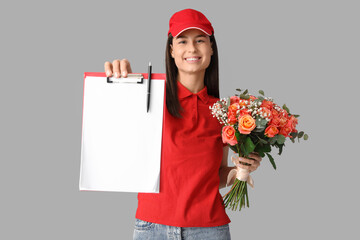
(252, 124)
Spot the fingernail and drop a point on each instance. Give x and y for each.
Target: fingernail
(116, 74)
(108, 73)
(123, 73)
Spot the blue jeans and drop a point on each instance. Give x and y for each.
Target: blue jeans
(153, 231)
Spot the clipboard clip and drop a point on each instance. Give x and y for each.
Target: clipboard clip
(131, 78)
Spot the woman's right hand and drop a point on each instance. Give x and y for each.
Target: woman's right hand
(117, 67)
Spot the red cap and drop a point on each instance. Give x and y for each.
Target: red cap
(187, 19)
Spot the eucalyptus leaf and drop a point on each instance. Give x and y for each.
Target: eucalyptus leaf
(261, 92)
(280, 139)
(294, 134)
(286, 108)
(273, 139)
(261, 98)
(306, 137)
(296, 116)
(272, 161)
(263, 122)
(245, 92)
(300, 134)
(258, 129)
(292, 140)
(243, 96)
(238, 89)
(228, 103)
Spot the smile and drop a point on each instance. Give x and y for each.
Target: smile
(192, 59)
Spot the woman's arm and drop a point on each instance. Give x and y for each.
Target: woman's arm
(225, 169)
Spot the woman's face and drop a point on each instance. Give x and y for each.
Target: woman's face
(191, 51)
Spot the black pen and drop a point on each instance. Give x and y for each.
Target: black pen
(148, 87)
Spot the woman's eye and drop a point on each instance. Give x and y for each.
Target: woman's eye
(181, 42)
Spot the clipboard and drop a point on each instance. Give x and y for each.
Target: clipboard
(121, 142)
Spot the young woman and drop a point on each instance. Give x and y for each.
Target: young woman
(194, 159)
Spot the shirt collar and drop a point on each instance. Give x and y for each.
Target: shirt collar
(183, 92)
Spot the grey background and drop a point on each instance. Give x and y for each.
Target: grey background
(302, 53)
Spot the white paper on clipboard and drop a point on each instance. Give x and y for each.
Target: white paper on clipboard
(121, 141)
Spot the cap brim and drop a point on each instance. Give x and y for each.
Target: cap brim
(183, 28)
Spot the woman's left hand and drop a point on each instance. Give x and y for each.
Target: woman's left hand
(253, 160)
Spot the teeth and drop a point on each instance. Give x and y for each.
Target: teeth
(192, 59)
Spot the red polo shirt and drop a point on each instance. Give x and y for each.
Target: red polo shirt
(191, 155)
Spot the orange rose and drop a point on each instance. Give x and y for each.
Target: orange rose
(232, 117)
(275, 121)
(267, 104)
(233, 107)
(252, 97)
(244, 112)
(271, 131)
(267, 111)
(274, 112)
(242, 102)
(234, 99)
(283, 121)
(246, 124)
(286, 130)
(293, 120)
(228, 135)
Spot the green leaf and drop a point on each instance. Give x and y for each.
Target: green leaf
(228, 103)
(238, 89)
(237, 135)
(306, 137)
(267, 148)
(234, 148)
(243, 96)
(249, 145)
(263, 140)
(261, 149)
(292, 140)
(271, 160)
(236, 94)
(243, 150)
(280, 139)
(263, 122)
(273, 139)
(300, 134)
(261, 98)
(245, 92)
(286, 108)
(281, 148)
(295, 115)
(261, 92)
(294, 134)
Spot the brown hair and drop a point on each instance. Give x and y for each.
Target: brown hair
(211, 78)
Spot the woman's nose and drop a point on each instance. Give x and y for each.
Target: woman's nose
(191, 47)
